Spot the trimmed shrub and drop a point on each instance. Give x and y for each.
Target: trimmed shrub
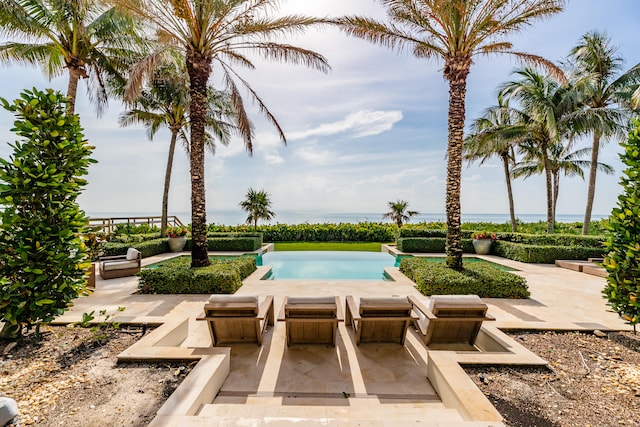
(235, 244)
(134, 238)
(147, 248)
(175, 276)
(544, 254)
(429, 245)
(479, 279)
(553, 239)
(343, 232)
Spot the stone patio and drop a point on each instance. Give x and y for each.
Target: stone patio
(349, 385)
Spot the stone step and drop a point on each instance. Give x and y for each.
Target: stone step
(319, 410)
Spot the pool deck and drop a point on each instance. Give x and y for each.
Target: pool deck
(349, 385)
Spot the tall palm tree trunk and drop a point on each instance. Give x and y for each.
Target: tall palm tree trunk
(549, 181)
(556, 190)
(593, 169)
(199, 69)
(507, 178)
(72, 88)
(456, 72)
(167, 183)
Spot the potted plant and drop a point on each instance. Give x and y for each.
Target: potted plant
(482, 242)
(176, 238)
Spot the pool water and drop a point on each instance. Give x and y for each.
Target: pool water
(332, 265)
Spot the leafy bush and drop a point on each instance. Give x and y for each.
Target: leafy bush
(147, 248)
(234, 244)
(132, 238)
(343, 232)
(120, 229)
(553, 239)
(43, 259)
(544, 254)
(429, 245)
(623, 243)
(175, 276)
(483, 280)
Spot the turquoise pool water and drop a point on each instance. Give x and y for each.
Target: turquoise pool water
(327, 265)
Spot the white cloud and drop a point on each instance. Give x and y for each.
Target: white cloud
(359, 124)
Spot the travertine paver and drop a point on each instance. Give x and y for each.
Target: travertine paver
(379, 384)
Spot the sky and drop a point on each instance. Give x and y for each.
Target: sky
(371, 131)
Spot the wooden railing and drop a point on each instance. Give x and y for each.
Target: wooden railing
(108, 225)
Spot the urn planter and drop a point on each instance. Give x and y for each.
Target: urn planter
(482, 246)
(176, 244)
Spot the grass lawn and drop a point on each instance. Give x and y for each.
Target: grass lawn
(328, 246)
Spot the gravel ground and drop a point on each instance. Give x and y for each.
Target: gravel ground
(71, 378)
(591, 381)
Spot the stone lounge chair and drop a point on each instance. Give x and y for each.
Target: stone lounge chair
(311, 320)
(450, 321)
(379, 319)
(237, 318)
(112, 267)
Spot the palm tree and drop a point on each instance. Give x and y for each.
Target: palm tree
(597, 66)
(257, 204)
(221, 31)
(546, 117)
(455, 31)
(84, 38)
(495, 134)
(562, 161)
(398, 212)
(166, 103)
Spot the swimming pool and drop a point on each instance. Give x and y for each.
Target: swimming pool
(322, 265)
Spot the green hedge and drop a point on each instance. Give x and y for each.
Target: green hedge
(343, 232)
(531, 239)
(429, 232)
(553, 239)
(134, 238)
(175, 276)
(531, 248)
(147, 248)
(234, 244)
(479, 279)
(429, 245)
(544, 254)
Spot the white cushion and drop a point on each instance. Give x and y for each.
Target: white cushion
(132, 254)
(449, 300)
(221, 299)
(385, 301)
(117, 265)
(311, 300)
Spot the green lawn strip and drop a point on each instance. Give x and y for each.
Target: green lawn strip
(328, 246)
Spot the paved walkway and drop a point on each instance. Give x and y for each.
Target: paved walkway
(560, 299)
(349, 385)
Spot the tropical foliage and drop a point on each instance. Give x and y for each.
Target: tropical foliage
(258, 206)
(165, 102)
(42, 262)
(221, 33)
(455, 32)
(83, 38)
(488, 138)
(399, 213)
(604, 90)
(623, 244)
(539, 132)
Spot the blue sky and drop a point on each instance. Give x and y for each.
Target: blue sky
(372, 130)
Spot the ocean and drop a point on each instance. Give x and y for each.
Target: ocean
(297, 217)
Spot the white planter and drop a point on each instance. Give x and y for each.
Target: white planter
(176, 244)
(482, 246)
